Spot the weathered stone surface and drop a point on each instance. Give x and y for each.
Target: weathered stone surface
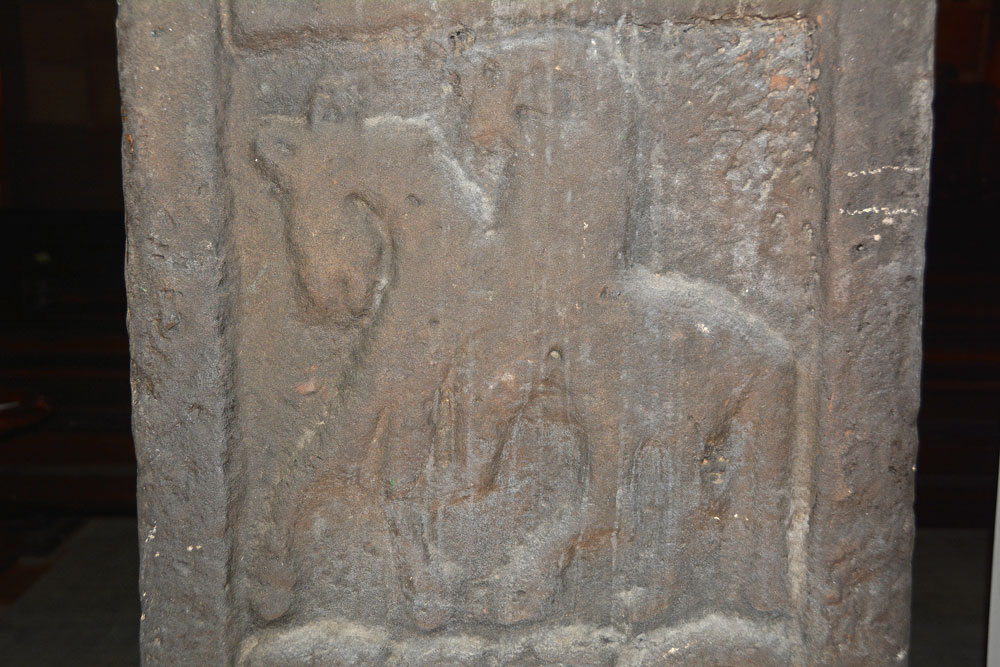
(534, 333)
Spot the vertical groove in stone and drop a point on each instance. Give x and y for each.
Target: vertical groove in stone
(234, 468)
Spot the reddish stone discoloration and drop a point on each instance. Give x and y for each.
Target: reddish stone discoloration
(781, 82)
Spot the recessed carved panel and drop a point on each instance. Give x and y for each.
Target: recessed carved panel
(509, 349)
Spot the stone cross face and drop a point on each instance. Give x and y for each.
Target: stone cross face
(520, 336)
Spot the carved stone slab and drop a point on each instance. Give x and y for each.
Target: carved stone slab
(485, 333)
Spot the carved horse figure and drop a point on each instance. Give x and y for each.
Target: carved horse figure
(582, 412)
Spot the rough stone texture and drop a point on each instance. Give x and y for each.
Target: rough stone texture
(549, 332)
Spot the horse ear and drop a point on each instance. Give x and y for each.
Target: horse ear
(277, 142)
(336, 99)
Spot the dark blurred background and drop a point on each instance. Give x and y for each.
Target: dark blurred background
(67, 471)
(68, 554)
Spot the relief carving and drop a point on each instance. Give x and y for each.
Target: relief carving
(460, 554)
(525, 333)
(503, 401)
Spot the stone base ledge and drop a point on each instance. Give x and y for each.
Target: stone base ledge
(703, 641)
